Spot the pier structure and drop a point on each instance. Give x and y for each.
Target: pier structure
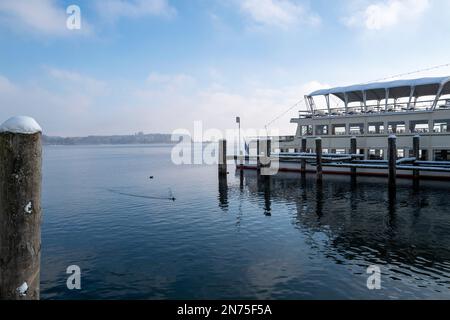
(320, 162)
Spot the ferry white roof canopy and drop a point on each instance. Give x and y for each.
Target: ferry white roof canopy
(395, 89)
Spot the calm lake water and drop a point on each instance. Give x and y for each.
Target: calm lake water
(278, 238)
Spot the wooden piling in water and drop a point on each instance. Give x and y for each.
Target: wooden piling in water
(303, 150)
(319, 157)
(20, 209)
(392, 158)
(258, 156)
(353, 151)
(416, 147)
(268, 152)
(222, 157)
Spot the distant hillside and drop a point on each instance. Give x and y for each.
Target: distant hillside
(139, 138)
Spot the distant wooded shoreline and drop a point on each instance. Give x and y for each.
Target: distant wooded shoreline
(139, 138)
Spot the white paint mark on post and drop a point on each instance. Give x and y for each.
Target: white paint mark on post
(22, 290)
(29, 208)
(74, 280)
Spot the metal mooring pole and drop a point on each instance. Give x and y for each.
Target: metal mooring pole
(20, 208)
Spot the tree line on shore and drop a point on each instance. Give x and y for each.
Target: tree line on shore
(139, 138)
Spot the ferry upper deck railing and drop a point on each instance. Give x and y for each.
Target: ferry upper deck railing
(396, 107)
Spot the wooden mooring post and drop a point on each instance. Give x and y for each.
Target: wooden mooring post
(20, 209)
(303, 150)
(392, 159)
(353, 151)
(258, 156)
(319, 157)
(222, 158)
(267, 149)
(416, 147)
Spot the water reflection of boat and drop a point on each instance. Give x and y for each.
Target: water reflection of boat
(364, 219)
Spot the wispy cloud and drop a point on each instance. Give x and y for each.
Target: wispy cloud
(6, 86)
(215, 103)
(80, 104)
(69, 111)
(179, 79)
(48, 17)
(115, 9)
(76, 81)
(34, 15)
(38, 17)
(283, 14)
(388, 13)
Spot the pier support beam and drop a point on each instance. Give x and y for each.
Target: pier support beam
(303, 150)
(20, 209)
(392, 159)
(416, 147)
(319, 157)
(353, 151)
(222, 157)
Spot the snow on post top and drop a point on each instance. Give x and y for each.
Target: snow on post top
(21, 124)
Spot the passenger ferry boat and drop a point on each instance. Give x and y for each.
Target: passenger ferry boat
(372, 112)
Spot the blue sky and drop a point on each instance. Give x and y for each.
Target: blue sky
(159, 65)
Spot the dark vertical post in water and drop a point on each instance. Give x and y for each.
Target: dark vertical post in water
(319, 157)
(223, 192)
(416, 147)
(269, 147)
(267, 196)
(258, 156)
(241, 179)
(222, 157)
(20, 209)
(353, 151)
(392, 159)
(303, 150)
(319, 198)
(268, 152)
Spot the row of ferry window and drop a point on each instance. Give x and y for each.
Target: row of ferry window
(416, 126)
(381, 154)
